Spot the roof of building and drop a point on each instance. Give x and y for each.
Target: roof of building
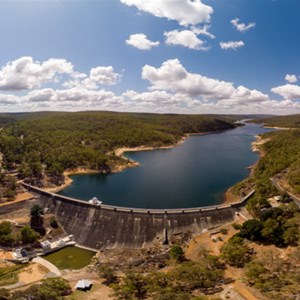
(83, 284)
(45, 244)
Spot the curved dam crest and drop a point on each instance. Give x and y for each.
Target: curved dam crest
(104, 226)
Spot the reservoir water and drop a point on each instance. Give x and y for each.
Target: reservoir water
(196, 173)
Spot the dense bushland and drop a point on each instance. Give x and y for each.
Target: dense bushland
(43, 145)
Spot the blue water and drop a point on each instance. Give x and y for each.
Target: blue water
(197, 173)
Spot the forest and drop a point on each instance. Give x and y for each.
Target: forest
(39, 147)
(280, 157)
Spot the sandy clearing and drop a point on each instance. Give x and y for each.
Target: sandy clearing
(34, 272)
(19, 198)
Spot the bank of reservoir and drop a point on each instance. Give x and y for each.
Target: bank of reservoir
(197, 173)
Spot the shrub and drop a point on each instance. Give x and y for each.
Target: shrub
(235, 252)
(53, 223)
(177, 253)
(28, 235)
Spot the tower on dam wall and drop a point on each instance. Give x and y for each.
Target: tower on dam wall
(104, 226)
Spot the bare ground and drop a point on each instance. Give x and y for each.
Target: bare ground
(237, 290)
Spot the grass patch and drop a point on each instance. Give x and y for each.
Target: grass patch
(9, 275)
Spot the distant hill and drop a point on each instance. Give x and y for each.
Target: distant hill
(291, 121)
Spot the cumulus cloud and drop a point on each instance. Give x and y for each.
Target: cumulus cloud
(231, 45)
(98, 76)
(288, 91)
(185, 38)
(24, 73)
(172, 89)
(75, 95)
(159, 98)
(202, 31)
(291, 78)
(185, 12)
(242, 27)
(140, 41)
(172, 76)
(6, 99)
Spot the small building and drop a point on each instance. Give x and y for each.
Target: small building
(83, 285)
(20, 255)
(95, 201)
(46, 245)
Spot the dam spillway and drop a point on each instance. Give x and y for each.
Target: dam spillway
(104, 226)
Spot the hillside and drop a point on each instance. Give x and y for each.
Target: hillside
(280, 157)
(292, 121)
(39, 147)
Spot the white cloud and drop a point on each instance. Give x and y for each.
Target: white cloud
(242, 27)
(185, 12)
(6, 99)
(41, 95)
(231, 45)
(288, 91)
(291, 78)
(140, 41)
(98, 76)
(185, 38)
(24, 73)
(173, 77)
(158, 98)
(172, 89)
(202, 31)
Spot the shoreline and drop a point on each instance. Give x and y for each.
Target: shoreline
(120, 151)
(115, 169)
(279, 128)
(68, 180)
(227, 197)
(255, 147)
(130, 163)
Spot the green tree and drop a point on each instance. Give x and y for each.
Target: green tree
(235, 252)
(49, 289)
(29, 235)
(5, 228)
(251, 230)
(36, 211)
(108, 273)
(273, 232)
(177, 253)
(53, 222)
(133, 286)
(36, 218)
(291, 236)
(6, 236)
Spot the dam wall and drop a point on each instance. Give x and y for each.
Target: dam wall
(104, 226)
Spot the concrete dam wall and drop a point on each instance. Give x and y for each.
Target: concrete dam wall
(104, 226)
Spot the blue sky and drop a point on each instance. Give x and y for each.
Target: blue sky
(182, 56)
